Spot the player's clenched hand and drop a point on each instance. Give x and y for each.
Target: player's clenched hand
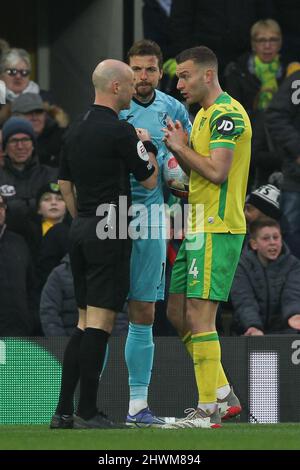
(143, 134)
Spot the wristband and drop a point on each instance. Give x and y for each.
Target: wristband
(150, 147)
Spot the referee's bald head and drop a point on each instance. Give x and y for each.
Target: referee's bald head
(109, 71)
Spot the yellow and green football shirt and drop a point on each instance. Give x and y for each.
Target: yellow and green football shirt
(220, 207)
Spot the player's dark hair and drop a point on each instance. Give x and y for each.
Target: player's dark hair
(146, 47)
(201, 55)
(260, 223)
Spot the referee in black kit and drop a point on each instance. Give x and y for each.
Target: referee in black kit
(98, 155)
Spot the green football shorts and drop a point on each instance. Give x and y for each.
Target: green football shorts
(205, 265)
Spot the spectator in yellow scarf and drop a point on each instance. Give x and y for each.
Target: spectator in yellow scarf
(254, 78)
(266, 43)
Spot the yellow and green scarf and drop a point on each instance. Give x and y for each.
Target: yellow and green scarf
(267, 74)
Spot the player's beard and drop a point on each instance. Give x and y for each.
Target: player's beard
(144, 91)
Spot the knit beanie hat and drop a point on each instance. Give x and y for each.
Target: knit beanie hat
(47, 188)
(16, 125)
(266, 199)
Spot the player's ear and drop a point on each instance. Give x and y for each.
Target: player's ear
(209, 75)
(115, 87)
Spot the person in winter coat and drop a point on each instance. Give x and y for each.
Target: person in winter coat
(52, 231)
(215, 25)
(15, 71)
(283, 121)
(253, 79)
(49, 132)
(266, 291)
(22, 176)
(18, 299)
(58, 309)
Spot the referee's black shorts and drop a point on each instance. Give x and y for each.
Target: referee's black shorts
(100, 267)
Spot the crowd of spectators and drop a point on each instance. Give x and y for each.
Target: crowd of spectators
(261, 70)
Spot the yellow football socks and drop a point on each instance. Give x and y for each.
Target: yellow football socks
(206, 356)
(187, 341)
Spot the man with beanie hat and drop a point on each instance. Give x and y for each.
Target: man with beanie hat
(14, 126)
(22, 175)
(263, 202)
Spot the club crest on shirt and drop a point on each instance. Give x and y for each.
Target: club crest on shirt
(162, 117)
(202, 122)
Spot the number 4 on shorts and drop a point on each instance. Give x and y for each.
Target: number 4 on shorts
(193, 269)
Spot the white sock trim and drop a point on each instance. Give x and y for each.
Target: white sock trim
(210, 407)
(136, 405)
(222, 392)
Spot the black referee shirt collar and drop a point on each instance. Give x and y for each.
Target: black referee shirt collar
(145, 105)
(104, 108)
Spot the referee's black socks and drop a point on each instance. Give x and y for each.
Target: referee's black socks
(91, 359)
(70, 374)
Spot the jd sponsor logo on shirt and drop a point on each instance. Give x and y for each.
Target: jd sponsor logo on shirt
(225, 125)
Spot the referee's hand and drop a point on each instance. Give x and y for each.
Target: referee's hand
(143, 134)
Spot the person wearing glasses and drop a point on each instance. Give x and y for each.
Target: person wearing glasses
(253, 80)
(223, 29)
(22, 175)
(15, 70)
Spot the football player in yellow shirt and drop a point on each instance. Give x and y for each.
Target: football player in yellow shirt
(217, 161)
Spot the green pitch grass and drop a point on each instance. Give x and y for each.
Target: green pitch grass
(230, 437)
